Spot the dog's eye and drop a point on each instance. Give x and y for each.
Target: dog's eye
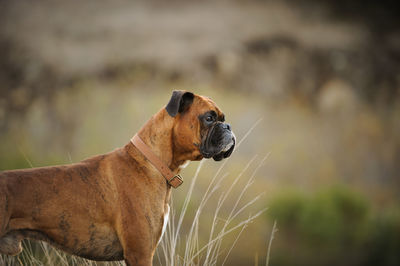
(210, 118)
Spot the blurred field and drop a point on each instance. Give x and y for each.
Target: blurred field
(79, 79)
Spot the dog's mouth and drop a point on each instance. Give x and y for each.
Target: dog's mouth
(225, 152)
(219, 143)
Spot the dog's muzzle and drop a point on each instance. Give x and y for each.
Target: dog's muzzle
(219, 143)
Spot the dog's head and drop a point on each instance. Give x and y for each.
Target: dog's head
(199, 130)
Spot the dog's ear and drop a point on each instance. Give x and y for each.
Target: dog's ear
(180, 101)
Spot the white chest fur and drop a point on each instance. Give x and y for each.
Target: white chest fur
(165, 222)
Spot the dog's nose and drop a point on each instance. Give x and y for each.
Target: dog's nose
(227, 126)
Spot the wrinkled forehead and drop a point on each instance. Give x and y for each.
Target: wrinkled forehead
(205, 104)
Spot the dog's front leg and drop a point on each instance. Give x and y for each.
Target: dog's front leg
(132, 259)
(137, 251)
(136, 237)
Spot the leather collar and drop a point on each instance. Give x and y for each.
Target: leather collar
(173, 180)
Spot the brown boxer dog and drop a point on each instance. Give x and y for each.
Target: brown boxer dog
(112, 206)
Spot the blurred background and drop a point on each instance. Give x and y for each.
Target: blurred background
(79, 78)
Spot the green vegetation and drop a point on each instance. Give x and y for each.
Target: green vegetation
(322, 227)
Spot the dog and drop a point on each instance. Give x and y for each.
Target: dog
(114, 206)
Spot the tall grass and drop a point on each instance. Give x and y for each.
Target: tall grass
(178, 248)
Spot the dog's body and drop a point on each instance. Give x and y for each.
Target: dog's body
(112, 206)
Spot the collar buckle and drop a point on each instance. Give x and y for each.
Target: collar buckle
(175, 181)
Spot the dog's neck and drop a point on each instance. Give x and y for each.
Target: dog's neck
(155, 140)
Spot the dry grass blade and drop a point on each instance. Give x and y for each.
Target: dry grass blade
(274, 230)
(248, 132)
(219, 237)
(223, 197)
(234, 213)
(233, 245)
